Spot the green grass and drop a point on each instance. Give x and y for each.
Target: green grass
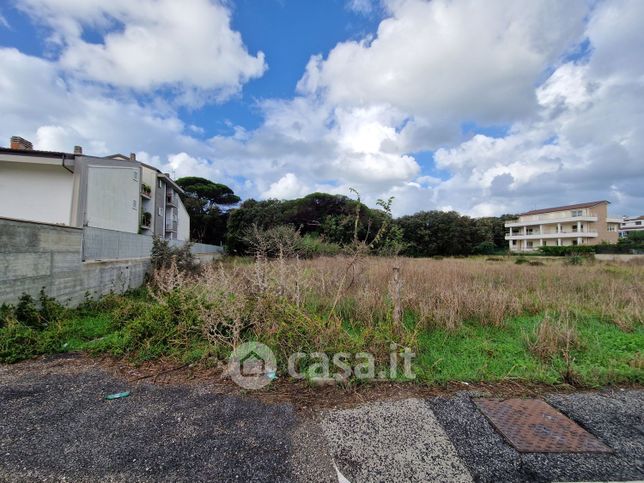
(478, 353)
(137, 329)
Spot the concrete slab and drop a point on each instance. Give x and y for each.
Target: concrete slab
(392, 441)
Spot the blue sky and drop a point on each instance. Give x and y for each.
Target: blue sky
(486, 109)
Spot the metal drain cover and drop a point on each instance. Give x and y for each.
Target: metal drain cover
(533, 426)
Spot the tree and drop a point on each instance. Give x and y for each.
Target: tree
(430, 233)
(328, 217)
(206, 203)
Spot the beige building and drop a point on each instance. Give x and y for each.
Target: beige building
(579, 224)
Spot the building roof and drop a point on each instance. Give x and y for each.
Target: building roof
(564, 208)
(35, 152)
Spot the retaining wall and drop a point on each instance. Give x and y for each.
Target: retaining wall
(618, 257)
(70, 262)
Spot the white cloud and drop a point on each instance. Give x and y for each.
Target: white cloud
(451, 60)
(37, 103)
(364, 7)
(588, 142)
(188, 46)
(576, 126)
(288, 186)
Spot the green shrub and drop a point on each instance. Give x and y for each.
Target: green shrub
(535, 263)
(7, 315)
(50, 310)
(163, 255)
(311, 246)
(567, 250)
(574, 260)
(521, 260)
(17, 342)
(485, 248)
(27, 312)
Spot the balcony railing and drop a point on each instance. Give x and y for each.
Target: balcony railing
(550, 221)
(561, 234)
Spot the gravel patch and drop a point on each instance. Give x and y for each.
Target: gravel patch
(392, 441)
(611, 417)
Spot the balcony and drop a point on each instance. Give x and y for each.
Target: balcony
(550, 236)
(146, 191)
(146, 221)
(550, 221)
(171, 226)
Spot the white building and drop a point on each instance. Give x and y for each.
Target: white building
(115, 192)
(631, 224)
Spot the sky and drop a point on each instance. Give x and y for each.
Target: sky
(484, 107)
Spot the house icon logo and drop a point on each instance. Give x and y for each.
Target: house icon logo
(252, 365)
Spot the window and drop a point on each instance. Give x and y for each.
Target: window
(576, 213)
(638, 223)
(611, 227)
(135, 175)
(134, 204)
(160, 211)
(160, 184)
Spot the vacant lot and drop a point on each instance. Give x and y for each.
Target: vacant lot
(466, 319)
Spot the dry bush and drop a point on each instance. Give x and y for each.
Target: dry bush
(553, 336)
(166, 280)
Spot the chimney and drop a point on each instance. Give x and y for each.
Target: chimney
(20, 143)
(132, 156)
(78, 149)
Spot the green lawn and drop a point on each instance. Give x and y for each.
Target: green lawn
(485, 353)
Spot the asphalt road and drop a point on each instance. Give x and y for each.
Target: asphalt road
(56, 425)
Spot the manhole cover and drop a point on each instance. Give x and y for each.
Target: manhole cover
(533, 426)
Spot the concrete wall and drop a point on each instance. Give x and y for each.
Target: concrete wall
(618, 257)
(40, 192)
(37, 255)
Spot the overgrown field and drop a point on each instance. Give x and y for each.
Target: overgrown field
(466, 319)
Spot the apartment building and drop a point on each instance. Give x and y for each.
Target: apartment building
(631, 224)
(579, 224)
(115, 192)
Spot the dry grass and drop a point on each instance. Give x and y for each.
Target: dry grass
(440, 293)
(554, 336)
(357, 303)
(445, 293)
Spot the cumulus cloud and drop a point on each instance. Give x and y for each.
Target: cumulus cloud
(39, 104)
(574, 124)
(588, 142)
(188, 46)
(288, 186)
(451, 60)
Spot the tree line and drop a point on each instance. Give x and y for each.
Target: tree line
(218, 216)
